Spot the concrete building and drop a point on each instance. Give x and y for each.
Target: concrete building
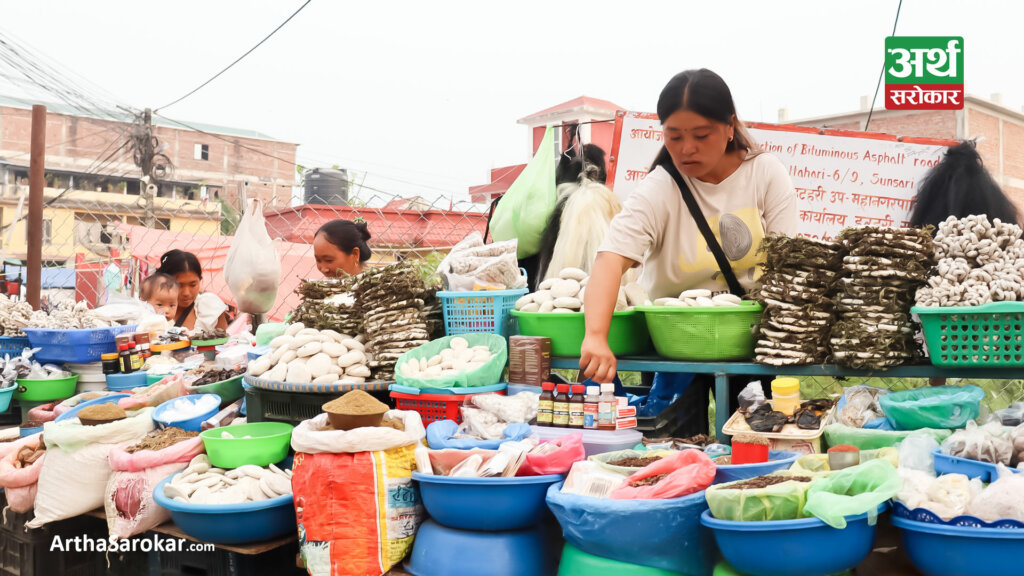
(998, 129)
(594, 117)
(92, 182)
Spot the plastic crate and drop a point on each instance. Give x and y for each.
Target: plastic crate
(974, 336)
(13, 345)
(665, 424)
(479, 311)
(435, 407)
(77, 346)
(28, 553)
(279, 561)
(291, 407)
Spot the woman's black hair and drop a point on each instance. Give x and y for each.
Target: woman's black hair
(347, 236)
(175, 262)
(702, 92)
(960, 186)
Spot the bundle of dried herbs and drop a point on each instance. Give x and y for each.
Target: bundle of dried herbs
(391, 300)
(433, 314)
(795, 290)
(881, 274)
(329, 305)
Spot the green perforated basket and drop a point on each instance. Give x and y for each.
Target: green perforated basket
(974, 336)
(627, 335)
(714, 333)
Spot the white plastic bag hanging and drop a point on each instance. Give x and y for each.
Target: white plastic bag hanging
(253, 269)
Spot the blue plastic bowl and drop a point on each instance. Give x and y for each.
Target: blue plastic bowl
(441, 551)
(5, 396)
(193, 424)
(73, 413)
(777, 460)
(122, 382)
(805, 547)
(485, 503)
(230, 523)
(938, 550)
(22, 432)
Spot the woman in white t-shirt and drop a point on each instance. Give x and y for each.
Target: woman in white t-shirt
(744, 195)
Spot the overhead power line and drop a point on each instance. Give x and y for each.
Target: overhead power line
(237, 60)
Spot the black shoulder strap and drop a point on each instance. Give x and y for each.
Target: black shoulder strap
(490, 214)
(702, 224)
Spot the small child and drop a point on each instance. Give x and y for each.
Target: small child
(161, 292)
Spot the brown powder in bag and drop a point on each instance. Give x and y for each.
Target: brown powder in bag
(160, 439)
(356, 403)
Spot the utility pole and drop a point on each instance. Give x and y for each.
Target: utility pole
(148, 192)
(36, 182)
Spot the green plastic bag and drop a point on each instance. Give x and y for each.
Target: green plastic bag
(852, 491)
(486, 375)
(523, 212)
(932, 407)
(784, 501)
(872, 439)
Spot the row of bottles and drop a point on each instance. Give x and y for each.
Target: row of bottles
(577, 406)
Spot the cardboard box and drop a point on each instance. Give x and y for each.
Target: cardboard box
(627, 412)
(625, 423)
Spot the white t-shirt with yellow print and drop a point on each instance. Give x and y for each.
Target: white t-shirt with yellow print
(656, 229)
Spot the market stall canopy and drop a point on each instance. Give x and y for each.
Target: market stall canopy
(51, 277)
(297, 261)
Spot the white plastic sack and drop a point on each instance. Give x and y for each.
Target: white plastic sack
(75, 472)
(1003, 498)
(916, 452)
(314, 436)
(253, 269)
(129, 504)
(209, 309)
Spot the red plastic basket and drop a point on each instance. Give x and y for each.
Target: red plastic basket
(434, 407)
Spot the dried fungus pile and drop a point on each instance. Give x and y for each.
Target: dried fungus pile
(978, 262)
(329, 305)
(881, 272)
(798, 313)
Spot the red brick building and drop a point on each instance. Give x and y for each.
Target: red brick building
(594, 117)
(215, 162)
(998, 129)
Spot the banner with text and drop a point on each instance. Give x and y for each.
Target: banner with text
(842, 178)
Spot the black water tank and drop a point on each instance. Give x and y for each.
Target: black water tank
(327, 186)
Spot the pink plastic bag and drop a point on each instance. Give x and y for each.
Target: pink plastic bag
(21, 483)
(169, 388)
(570, 450)
(129, 503)
(184, 451)
(688, 471)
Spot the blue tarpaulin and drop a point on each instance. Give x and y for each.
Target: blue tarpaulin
(52, 277)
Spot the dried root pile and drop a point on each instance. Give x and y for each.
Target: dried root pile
(883, 269)
(13, 316)
(391, 300)
(978, 262)
(798, 275)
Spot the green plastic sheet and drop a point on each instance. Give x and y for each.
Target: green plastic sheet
(783, 501)
(523, 212)
(932, 407)
(873, 439)
(852, 491)
(486, 375)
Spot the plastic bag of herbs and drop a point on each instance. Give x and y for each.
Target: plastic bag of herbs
(776, 496)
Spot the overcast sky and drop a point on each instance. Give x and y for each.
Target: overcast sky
(424, 96)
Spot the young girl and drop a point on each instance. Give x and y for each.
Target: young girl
(340, 248)
(743, 194)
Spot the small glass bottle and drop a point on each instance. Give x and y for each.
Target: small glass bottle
(560, 407)
(590, 407)
(576, 406)
(544, 405)
(606, 406)
(136, 358)
(124, 359)
(143, 342)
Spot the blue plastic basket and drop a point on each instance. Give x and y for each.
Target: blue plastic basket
(479, 311)
(13, 345)
(946, 464)
(77, 346)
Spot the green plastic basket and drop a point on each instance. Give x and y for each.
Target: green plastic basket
(974, 336)
(717, 333)
(627, 335)
(229, 390)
